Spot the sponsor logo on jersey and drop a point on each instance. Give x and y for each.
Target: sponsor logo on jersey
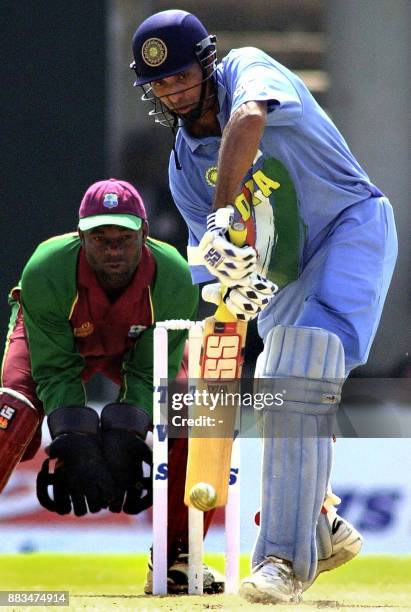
(84, 330)
(154, 52)
(136, 330)
(6, 416)
(110, 200)
(211, 176)
(270, 196)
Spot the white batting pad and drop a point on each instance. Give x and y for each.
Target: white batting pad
(306, 365)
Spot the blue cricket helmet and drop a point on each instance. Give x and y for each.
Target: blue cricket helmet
(168, 43)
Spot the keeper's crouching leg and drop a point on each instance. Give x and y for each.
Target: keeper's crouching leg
(178, 511)
(177, 540)
(21, 412)
(19, 421)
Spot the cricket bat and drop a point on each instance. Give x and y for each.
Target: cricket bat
(221, 361)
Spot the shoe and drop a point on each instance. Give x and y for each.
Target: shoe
(177, 578)
(337, 542)
(272, 581)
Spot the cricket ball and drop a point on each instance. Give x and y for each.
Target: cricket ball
(203, 496)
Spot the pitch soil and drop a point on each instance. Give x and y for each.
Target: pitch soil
(115, 582)
(219, 603)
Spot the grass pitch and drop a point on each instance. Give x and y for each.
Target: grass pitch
(115, 582)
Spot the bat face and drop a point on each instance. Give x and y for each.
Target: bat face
(221, 362)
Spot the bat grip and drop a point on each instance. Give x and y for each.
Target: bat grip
(237, 237)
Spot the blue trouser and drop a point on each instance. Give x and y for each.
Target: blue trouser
(344, 282)
(341, 289)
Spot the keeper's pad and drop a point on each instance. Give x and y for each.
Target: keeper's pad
(18, 423)
(305, 365)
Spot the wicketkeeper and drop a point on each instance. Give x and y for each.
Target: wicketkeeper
(87, 303)
(249, 134)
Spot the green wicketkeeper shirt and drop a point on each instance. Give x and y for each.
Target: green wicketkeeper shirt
(74, 331)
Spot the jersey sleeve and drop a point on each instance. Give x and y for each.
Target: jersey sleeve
(251, 74)
(173, 297)
(56, 365)
(194, 215)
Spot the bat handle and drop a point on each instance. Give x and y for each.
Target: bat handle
(238, 234)
(238, 237)
(223, 314)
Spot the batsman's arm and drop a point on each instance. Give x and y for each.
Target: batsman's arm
(239, 146)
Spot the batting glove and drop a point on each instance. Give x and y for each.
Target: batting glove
(244, 302)
(229, 263)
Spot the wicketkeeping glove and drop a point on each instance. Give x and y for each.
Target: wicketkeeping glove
(81, 480)
(244, 302)
(232, 265)
(124, 428)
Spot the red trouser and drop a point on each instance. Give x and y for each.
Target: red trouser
(16, 375)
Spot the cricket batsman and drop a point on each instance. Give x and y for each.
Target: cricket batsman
(249, 135)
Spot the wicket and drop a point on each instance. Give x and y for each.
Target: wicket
(160, 477)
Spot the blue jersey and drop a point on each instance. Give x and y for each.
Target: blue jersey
(302, 178)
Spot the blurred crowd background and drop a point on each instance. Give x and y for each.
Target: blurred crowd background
(70, 116)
